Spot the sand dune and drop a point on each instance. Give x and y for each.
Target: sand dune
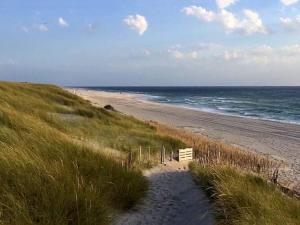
(274, 139)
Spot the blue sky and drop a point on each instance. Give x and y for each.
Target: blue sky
(143, 42)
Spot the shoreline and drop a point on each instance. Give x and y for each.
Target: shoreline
(277, 140)
(149, 98)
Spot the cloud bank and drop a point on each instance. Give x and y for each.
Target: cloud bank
(250, 24)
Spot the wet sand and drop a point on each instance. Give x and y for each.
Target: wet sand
(274, 139)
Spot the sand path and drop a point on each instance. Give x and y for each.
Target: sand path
(172, 199)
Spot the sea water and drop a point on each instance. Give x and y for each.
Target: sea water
(268, 103)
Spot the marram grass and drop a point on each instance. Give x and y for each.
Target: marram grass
(241, 198)
(50, 173)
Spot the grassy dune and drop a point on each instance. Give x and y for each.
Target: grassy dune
(54, 166)
(60, 163)
(242, 198)
(237, 183)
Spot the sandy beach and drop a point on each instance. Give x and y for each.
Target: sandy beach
(278, 140)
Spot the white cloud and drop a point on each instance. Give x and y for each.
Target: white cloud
(25, 29)
(264, 54)
(200, 13)
(222, 4)
(92, 27)
(137, 23)
(250, 24)
(289, 2)
(291, 23)
(62, 22)
(8, 62)
(147, 52)
(177, 54)
(43, 28)
(291, 50)
(229, 21)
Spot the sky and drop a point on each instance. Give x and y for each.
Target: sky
(150, 42)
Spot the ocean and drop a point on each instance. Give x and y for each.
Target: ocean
(267, 103)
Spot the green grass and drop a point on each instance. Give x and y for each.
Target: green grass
(53, 166)
(245, 199)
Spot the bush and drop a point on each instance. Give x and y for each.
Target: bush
(109, 107)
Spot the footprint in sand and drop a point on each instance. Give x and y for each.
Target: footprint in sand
(172, 199)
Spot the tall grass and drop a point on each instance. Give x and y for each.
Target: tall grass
(210, 152)
(54, 164)
(237, 181)
(241, 198)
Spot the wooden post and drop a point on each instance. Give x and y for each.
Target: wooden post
(130, 159)
(208, 156)
(172, 155)
(140, 154)
(164, 154)
(149, 154)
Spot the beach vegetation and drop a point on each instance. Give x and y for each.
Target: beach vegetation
(239, 183)
(244, 198)
(61, 158)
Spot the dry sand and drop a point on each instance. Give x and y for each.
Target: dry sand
(172, 199)
(277, 140)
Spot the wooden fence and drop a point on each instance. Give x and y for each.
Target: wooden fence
(149, 156)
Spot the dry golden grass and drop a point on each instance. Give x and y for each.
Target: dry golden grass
(60, 158)
(242, 198)
(209, 152)
(236, 181)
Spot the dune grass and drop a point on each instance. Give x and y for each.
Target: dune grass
(237, 182)
(241, 198)
(53, 163)
(211, 152)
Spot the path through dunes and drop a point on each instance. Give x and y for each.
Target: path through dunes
(173, 199)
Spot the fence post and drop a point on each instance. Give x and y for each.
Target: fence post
(164, 154)
(140, 155)
(130, 159)
(149, 154)
(208, 156)
(172, 155)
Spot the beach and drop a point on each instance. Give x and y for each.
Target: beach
(276, 140)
